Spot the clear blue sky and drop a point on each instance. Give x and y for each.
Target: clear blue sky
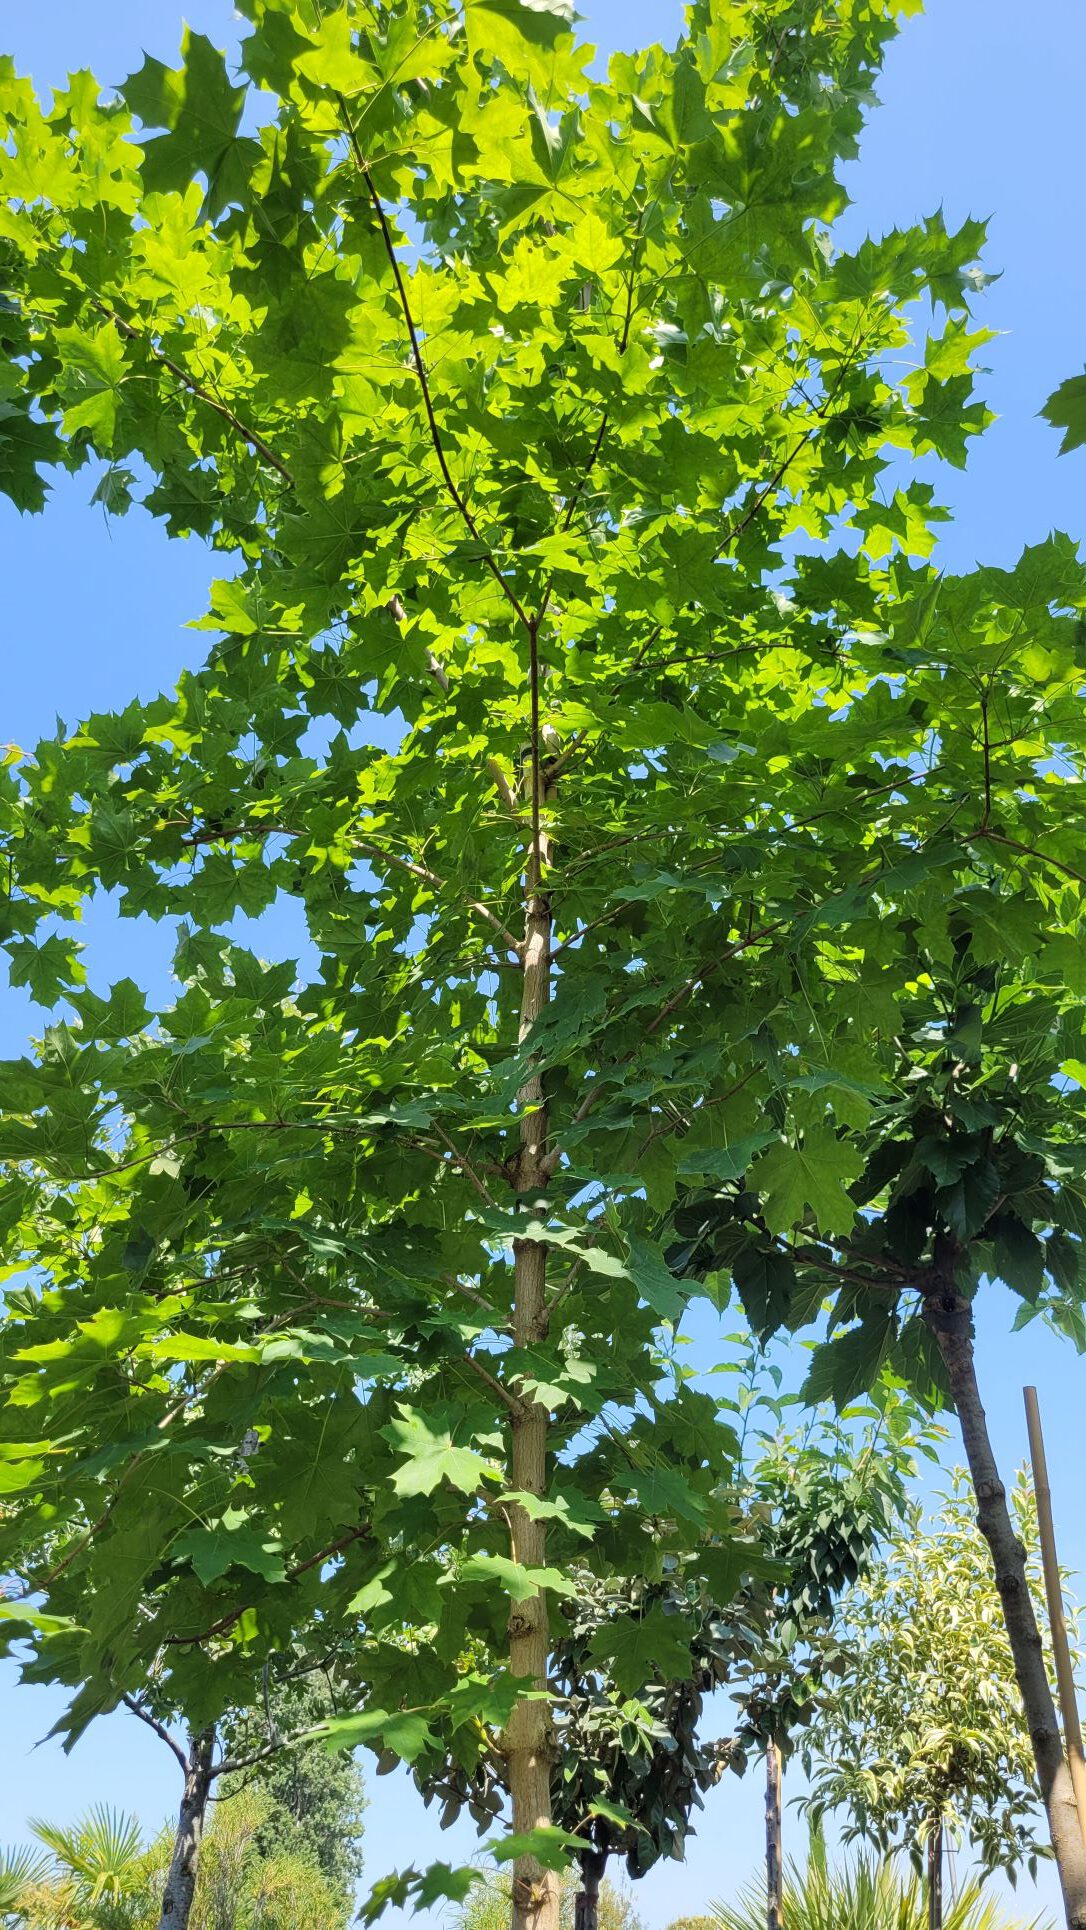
(982, 114)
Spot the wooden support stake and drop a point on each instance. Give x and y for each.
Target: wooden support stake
(1061, 1648)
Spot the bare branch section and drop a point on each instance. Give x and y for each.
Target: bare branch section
(159, 1728)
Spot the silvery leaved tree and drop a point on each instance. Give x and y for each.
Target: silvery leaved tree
(513, 394)
(922, 1738)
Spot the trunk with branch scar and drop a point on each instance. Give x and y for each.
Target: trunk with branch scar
(180, 1885)
(950, 1319)
(529, 1738)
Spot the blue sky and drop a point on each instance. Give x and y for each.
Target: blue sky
(981, 114)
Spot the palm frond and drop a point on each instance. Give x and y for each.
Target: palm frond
(867, 1895)
(102, 1850)
(20, 1871)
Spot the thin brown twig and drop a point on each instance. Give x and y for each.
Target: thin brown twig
(500, 1393)
(235, 1614)
(1030, 851)
(255, 441)
(464, 512)
(465, 1165)
(159, 1728)
(429, 877)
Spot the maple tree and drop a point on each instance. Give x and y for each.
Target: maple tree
(513, 394)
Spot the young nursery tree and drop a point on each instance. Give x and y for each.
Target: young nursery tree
(309, 1809)
(828, 1495)
(509, 391)
(923, 1736)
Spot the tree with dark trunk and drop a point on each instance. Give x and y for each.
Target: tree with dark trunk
(949, 1317)
(921, 1737)
(180, 1886)
(969, 1168)
(203, 1764)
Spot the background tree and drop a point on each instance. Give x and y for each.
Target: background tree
(923, 1735)
(100, 1874)
(244, 1885)
(828, 1496)
(313, 1801)
(968, 1166)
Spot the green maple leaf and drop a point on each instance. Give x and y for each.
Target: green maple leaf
(432, 1456)
(550, 1846)
(639, 1649)
(405, 1731)
(654, 1279)
(808, 1180)
(202, 111)
(851, 1363)
(1066, 410)
(94, 372)
(518, 1582)
(236, 1540)
(48, 967)
(24, 443)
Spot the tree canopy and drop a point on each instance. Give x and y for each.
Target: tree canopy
(579, 681)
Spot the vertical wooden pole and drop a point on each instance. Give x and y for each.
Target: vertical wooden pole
(1061, 1648)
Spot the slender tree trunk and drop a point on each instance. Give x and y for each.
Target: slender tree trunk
(950, 1318)
(529, 1738)
(181, 1877)
(586, 1908)
(935, 1875)
(773, 1835)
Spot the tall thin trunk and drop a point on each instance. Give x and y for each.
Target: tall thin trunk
(586, 1907)
(935, 1874)
(529, 1737)
(950, 1319)
(773, 1835)
(180, 1885)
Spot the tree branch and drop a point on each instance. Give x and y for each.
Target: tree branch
(502, 1394)
(431, 878)
(235, 1614)
(1031, 851)
(255, 441)
(159, 1728)
(468, 519)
